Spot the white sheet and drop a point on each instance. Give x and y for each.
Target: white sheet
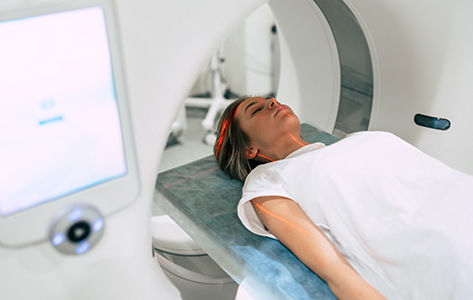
(401, 218)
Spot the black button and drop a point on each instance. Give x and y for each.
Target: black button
(78, 232)
(432, 122)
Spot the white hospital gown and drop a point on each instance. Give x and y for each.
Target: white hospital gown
(402, 219)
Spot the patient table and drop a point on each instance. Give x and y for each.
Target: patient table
(202, 200)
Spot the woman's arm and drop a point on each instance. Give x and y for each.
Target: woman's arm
(286, 220)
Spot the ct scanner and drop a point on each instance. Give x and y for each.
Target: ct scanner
(77, 177)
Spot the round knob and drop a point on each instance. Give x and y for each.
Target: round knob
(76, 229)
(78, 232)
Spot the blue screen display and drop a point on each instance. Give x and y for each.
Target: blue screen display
(59, 119)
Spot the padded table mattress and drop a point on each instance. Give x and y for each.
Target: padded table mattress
(202, 200)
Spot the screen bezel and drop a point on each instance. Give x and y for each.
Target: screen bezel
(31, 225)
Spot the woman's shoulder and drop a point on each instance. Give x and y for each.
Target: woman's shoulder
(267, 169)
(374, 133)
(370, 136)
(264, 180)
(269, 173)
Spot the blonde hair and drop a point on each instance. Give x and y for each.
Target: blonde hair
(231, 144)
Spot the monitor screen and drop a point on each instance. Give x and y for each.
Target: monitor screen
(60, 125)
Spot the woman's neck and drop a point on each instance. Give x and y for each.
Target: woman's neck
(283, 148)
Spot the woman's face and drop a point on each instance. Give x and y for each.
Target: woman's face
(265, 121)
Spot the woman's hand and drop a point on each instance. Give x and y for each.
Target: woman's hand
(288, 222)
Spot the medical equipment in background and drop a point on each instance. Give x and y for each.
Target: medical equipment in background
(217, 101)
(239, 69)
(275, 60)
(188, 267)
(179, 125)
(414, 56)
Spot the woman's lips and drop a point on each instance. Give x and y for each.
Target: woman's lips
(280, 108)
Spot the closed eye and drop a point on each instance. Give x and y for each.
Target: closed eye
(256, 110)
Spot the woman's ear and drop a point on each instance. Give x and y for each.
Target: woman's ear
(251, 152)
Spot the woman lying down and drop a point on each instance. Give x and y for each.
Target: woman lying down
(372, 215)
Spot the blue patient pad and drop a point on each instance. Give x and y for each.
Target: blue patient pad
(202, 200)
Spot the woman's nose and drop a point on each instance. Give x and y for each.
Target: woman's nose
(272, 103)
